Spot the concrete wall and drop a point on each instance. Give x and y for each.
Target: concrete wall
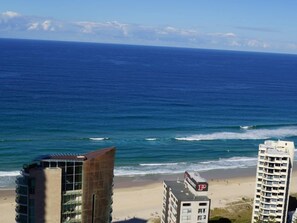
(47, 196)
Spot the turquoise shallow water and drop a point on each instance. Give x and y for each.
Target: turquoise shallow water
(165, 109)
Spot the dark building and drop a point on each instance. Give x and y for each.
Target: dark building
(66, 188)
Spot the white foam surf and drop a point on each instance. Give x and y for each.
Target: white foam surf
(250, 134)
(169, 168)
(99, 138)
(7, 178)
(9, 173)
(150, 139)
(245, 127)
(158, 164)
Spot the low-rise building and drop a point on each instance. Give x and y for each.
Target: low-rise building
(186, 201)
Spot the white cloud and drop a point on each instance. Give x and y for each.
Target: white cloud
(10, 14)
(257, 44)
(86, 27)
(42, 26)
(47, 26)
(232, 35)
(33, 26)
(13, 24)
(93, 27)
(169, 30)
(226, 35)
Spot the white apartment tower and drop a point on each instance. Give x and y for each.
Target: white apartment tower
(275, 162)
(187, 201)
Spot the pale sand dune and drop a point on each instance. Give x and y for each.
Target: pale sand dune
(145, 201)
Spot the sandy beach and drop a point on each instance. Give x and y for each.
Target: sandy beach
(225, 186)
(141, 196)
(7, 206)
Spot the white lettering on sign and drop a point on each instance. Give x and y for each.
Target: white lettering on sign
(201, 187)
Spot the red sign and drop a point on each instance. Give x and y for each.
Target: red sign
(202, 187)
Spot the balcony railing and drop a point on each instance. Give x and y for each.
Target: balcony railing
(21, 181)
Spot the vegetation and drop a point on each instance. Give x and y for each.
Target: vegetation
(241, 211)
(154, 220)
(237, 212)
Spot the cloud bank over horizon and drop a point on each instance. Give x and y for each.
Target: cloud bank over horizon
(16, 25)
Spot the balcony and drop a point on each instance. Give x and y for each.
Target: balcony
(24, 172)
(72, 220)
(21, 181)
(267, 183)
(266, 195)
(22, 190)
(71, 212)
(20, 209)
(20, 218)
(71, 202)
(72, 192)
(21, 200)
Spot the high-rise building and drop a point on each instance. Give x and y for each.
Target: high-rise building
(186, 201)
(274, 170)
(66, 188)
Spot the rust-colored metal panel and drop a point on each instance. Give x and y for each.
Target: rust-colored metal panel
(97, 186)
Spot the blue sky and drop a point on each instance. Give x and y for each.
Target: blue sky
(254, 25)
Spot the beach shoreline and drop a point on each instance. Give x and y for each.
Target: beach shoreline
(141, 196)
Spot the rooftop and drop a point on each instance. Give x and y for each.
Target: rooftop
(74, 157)
(195, 176)
(274, 151)
(182, 193)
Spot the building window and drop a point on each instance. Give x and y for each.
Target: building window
(72, 176)
(186, 204)
(32, 184)
(201, 217)
(187, 210)
(201, 210)
(186, 218)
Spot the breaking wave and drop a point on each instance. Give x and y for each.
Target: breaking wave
(99, 138)
(169, 168)
(7, 178)
(159, 164)
(245, 127)
(250, 134)
(9, 173)
(150, 139)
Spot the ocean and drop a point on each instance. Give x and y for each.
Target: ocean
(166, 110)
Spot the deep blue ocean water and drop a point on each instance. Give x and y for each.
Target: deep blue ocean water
(164, 109)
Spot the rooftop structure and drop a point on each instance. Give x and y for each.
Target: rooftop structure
(186, 201)
(196, 184)
(66, 188)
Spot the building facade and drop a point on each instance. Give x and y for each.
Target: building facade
(66, 188)
(274, 170)
(186, 201)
